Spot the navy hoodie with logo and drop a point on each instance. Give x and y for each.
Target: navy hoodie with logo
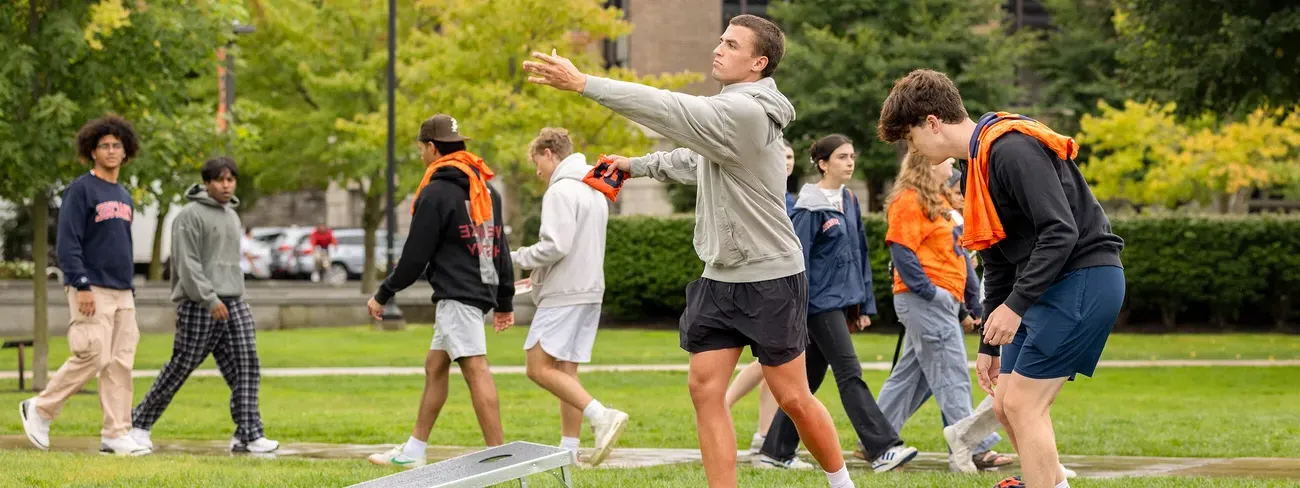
(834, 252)
(94, 241)
(467, 263)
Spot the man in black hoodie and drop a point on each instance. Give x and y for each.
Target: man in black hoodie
(456, 233)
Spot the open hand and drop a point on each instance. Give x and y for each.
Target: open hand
(375, 310)
(86, 303)
(555, 70)
(1001, 327)
(503, 320)
(219, 312)
(988, 367)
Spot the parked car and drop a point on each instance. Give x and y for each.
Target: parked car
(348, 259)
(291, 253)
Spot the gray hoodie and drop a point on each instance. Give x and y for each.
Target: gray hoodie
(568, 261)
(205, 250)
(732, 149)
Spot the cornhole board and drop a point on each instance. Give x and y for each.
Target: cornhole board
(488, 467)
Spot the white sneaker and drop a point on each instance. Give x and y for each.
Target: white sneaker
(893, 458)
(606, 430)
(122, 446)
(756, 444)
(36, 427)
(141, 437)
(260, 446)
(395, 457)
(763, 461)
(1069, 473)
(960, 459)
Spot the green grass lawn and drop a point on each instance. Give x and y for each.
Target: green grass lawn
(361, 346)
(35, 469)
(1189, 412)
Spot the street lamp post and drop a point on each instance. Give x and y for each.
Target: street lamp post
(392, 317)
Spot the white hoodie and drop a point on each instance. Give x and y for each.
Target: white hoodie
(574, 216)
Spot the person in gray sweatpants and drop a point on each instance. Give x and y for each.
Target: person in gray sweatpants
(934, 280)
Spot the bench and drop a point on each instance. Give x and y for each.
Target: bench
(20, 344)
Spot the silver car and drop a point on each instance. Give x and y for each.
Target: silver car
(348, 259)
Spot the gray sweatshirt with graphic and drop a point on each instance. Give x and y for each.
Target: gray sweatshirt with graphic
(205, 250)
(731, 148)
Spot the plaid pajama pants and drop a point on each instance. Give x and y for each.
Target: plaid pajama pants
(232, 344)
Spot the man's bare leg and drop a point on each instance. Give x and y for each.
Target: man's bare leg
(543, 370)
(483, 392)
(749, 378)
(767, 408)
(707, 383)
(1027, 407)
(789, 384)
(570, 416)
(437, 366)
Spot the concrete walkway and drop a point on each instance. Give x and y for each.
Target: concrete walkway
(1086, 466)
(608, 368)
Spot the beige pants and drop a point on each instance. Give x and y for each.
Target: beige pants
(103, 345)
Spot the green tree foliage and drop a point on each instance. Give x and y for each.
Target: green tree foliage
(1227, 57)
(842, 57)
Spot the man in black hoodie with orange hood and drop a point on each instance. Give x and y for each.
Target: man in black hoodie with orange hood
(456, 233)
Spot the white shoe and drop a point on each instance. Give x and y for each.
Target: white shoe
(141, 437)
(1069, 473)
(960, 459)
(260, 446)
(395, 457)
(756, 444)
(122, 446)
(893, 458)
(763, 461)
(36, 427)
(606, 430)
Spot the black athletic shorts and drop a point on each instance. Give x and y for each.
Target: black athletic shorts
(768, 316)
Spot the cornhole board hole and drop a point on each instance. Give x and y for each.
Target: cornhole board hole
(488, 467)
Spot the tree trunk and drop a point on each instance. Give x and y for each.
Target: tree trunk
(514, 217)
(371, 215)
(155, 261)
(1169, 315)
(40, 295)
(1121, 322)
(1282, 312)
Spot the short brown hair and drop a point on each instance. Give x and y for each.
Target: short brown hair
(921, 93)
(555, 139)
(109, 125)
(769, 41)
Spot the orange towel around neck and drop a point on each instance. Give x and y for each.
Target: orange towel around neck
(480, 202)
(983, 228)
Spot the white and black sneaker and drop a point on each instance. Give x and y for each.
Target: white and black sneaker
(35, 426)
(122, 446)
(763, 461)
(893, 458)
(260, 446)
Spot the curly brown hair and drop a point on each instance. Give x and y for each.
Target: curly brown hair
(109, 125)
(555, 139)
(917, 173)
(921, 93)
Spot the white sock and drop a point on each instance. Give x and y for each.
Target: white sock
(758, 438)
(570, 443)
(1064, 484)
(414, 448)
(840, 479)
(594, 410)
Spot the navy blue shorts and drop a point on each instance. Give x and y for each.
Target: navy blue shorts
(1064, 333)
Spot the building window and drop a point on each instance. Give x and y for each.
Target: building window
(615, 51)
(732, 8)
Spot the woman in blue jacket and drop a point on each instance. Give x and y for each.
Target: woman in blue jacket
(828, 220)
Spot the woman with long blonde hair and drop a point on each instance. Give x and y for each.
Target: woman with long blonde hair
(935, 294)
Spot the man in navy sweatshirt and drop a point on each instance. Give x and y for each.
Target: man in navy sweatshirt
(94, 252)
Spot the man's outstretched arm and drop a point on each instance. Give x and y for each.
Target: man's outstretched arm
(706, 125)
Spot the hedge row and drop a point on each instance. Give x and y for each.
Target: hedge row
(1243, 271)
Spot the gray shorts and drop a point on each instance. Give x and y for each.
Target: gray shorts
(459, 329)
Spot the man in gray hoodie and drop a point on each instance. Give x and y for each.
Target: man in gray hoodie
(211, 317)
(754, 291)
